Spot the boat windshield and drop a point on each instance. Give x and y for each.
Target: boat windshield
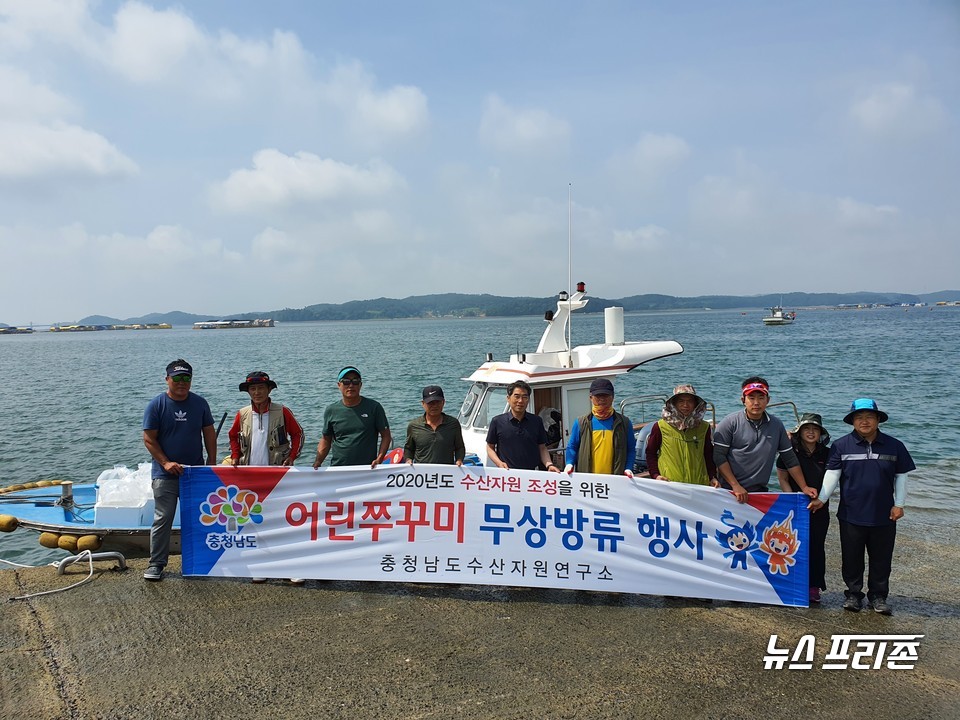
(482, 403)
(469, 402)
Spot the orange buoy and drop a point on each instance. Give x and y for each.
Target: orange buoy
(50, 540)
(8, 523)
(89, 542)
(68, 543)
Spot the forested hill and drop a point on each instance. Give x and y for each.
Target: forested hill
(463, 305)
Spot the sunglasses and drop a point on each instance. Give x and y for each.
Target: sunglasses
(181, 378)
(350, 381)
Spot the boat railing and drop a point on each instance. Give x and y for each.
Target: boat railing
(782, 403)
(642, 401)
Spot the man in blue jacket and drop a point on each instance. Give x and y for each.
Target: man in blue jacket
(871, 468)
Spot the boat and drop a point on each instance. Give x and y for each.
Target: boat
(73, 517)
(778, 317)
(558, 374)
(233, 323)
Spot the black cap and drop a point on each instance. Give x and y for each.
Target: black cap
(432, 392)
(179, 367)
(601, 386)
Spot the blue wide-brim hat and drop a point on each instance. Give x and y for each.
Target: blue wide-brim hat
(864, 404)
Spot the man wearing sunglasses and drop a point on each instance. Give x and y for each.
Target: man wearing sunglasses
(177, 428)
(352, 425)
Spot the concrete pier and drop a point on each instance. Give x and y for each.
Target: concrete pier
(118, 647)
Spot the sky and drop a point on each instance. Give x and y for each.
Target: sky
(228, 156)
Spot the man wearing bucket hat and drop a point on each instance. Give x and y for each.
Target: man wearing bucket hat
(871, 469)
(603, 440)
(810, 440)
(264, 432)
(351, 426)
(177, 428)
(680, 448)
(747, 442)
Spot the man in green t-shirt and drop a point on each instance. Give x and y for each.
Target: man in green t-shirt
(352, 425)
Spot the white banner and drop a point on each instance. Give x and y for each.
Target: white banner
(482, 525)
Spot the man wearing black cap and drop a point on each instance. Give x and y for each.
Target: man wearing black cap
(177, 427)
(434, 437)
(264, 432)
(351, 426)
(602, 441)
(871, 469)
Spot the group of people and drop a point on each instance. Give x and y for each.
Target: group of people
(178, 431)
(869, 466)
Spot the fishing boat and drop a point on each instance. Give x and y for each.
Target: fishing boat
(559, 375)
(73, 517)
(777, 316)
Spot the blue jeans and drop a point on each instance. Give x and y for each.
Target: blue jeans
(166, 493)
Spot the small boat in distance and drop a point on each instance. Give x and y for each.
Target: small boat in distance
(230, 324)
(778, 317)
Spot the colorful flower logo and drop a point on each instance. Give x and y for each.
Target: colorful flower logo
(232, 507)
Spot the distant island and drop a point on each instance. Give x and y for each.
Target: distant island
(465, 306)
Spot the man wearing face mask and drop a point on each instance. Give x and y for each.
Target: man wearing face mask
(602, 441)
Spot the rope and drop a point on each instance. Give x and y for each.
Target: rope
(87, 554)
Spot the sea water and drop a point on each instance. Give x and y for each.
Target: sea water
(73, 402)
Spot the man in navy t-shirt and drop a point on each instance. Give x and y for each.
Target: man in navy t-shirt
(177, 427)
(871, 468)
(517, 439)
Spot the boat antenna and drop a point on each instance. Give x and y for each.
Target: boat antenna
(569, 262)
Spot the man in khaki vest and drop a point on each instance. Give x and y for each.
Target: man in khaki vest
(264, 432)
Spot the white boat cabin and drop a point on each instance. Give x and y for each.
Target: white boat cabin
(559, 376)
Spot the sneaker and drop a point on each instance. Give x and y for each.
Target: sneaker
(154, 573)
(297, 581)
(879, 606)
(815, 595)
(852, 603)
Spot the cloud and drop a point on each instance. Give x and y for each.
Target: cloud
(855, 215)
(148, 45)
(37, 142)
(115, 268)
(649, 238)
(278, 181)
(65, 22)
(372, 114)
(898, 110)
(32, 151)
(660, 152)
(509, 129)
(21, 98)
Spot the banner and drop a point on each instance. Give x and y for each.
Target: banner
(483, 525)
